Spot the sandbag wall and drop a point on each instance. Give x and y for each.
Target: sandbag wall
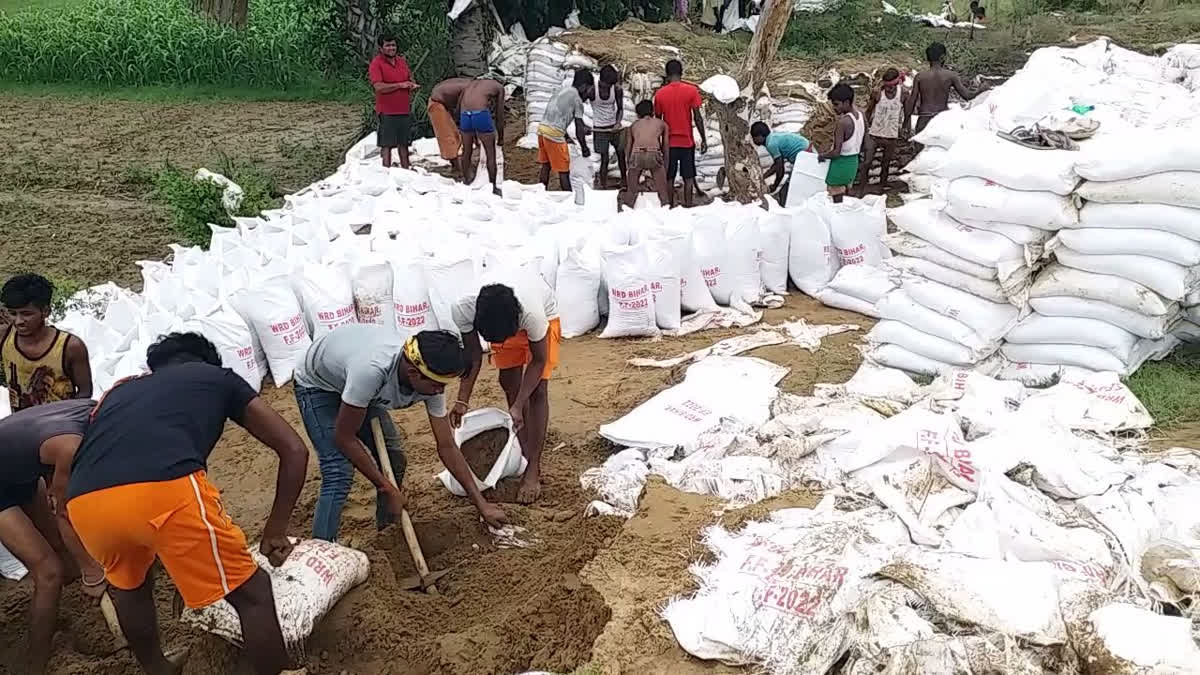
(551, 64)
(1085, 257)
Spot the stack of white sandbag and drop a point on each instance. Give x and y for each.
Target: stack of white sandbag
(836, 251)
(1124, 268)
(544, 72)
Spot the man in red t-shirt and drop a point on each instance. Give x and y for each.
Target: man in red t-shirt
(393, 83)
(678, 104)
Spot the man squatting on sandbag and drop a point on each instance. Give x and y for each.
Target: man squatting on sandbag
(520, 320)
(357, 373)
(36, 444)
(139, 490)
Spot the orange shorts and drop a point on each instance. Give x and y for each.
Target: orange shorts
(514, 352)
(555, 154)
(180, 521)
(445, 130)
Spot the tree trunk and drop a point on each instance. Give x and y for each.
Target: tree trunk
(742, 168)
(228, 12)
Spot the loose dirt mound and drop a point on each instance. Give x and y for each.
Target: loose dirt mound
(501, 610)
(482, 451)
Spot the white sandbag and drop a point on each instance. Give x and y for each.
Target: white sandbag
(736, 387)
(410, 297)
(1187, 331)
(1139, 324)
(923, 344)
(578, 289)
(900, 306)
(1130, 640)
(978, 199)
(306, 586)
(1178, 220)
(865, 282)
(986, 289)
(1169, 279)
(235, 343)
(510, 461)
(775, 230)
(1177, 188)
(922, 219)
(1031, 237)
(1036, 329)
(895, 356)
(630, 302)
(903, 243)
(744, 240)
(272, 311)
(945, 128)
(989, 320)
(327, 295)
(1082, 356)
(710, 250)
(1138, 152)
(985, 155)
(832, 298)
(808, 177)
(856, 227)
(1058, 280)
(663, 269)
(372, 283)
(1150, 243)
(812, 259)
(449, 279)
(929, 161)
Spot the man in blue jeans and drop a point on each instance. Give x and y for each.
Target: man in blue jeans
(357, 373)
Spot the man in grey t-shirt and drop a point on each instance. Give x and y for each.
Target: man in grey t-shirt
(357, 373)
(39, 443)
(564, 107)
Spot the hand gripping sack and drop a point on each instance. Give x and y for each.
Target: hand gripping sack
(710, 250)
(630, 301)
(410, 297)
(856, 227)
(306, 586)
(812, 259)
(235, 343)
(664, 280)
(979, 199)
(327, 295)
(578, 290)
(775, 228)
(273, 312)
(509, 462)
(373, 292)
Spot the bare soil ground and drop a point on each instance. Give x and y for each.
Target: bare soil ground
(587, 592)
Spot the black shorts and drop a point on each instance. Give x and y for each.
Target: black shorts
(683, 162)
(392, 131)
(16, 494)
(605, 139)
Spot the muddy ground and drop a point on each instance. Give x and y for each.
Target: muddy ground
(587, 591)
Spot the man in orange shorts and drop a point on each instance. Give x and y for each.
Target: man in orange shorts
(443, 107)
(564, 107)
(138, 490)
(520, 320)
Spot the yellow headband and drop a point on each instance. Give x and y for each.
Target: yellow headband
(413, 353)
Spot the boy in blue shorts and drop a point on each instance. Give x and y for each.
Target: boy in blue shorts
(481, 118)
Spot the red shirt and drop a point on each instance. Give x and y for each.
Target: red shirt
(674, 103)
(396, 102)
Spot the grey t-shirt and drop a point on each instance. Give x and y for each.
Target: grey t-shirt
(23, 432)
(562, 110)
(361, 361)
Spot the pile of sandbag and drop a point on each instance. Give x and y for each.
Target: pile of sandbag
(836, 252)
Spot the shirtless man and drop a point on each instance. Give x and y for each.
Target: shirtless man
(443, 111)
(481, 117)
(931, 89)
(647, 150)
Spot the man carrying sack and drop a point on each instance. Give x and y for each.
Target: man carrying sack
(355, 374)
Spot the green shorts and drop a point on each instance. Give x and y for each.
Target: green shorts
(842, 171)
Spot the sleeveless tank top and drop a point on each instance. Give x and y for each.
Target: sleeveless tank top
(852, 145)
(888, 112)
(604, 112)
(35, 379)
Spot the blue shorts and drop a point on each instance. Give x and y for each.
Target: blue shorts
(476, 122)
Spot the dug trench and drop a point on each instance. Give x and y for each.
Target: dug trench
(584, 592)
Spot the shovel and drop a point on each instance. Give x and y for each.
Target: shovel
(424, 579)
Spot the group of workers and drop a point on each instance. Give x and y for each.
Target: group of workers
(98, 490)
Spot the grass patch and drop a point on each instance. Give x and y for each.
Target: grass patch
(343, 90)
(855, 27)
(195, 204)
(1170, 389)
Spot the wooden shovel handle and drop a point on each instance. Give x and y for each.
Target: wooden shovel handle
(410, 535)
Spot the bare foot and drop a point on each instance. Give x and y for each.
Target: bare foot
(530, 489)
